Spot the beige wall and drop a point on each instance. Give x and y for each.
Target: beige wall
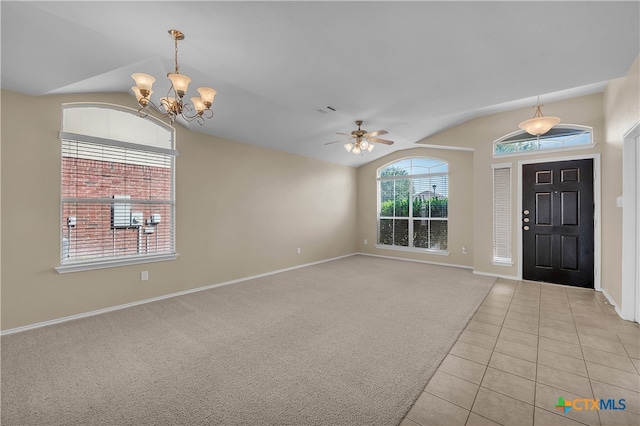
(622, 112)
(471, 221)
(460, 228)
(241, 210)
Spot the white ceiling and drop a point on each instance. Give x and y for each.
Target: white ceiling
(412, 68)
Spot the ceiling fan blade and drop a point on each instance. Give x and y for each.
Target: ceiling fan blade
(345, 134)
(377, 133)
(343, 140)
(378, 140)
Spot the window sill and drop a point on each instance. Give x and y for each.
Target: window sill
(413, 250)
(114, 263)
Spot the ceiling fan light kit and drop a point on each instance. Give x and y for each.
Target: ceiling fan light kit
(539, 124)
(173, 105)
(360, 140)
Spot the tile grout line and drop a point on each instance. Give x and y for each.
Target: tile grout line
(492, 351)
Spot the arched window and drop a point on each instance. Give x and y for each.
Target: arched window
(413, 204)
(118, 197)
(562, 137)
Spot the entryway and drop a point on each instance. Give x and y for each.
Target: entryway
(558, 222)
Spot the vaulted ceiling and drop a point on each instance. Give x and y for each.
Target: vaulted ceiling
(412, 68)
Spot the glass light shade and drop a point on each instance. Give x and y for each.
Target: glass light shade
(180, 83)
(539, 125)
(370, 147)
(356, 150)
(348, 147)
(144, 101)
(207, 94)
(143, 81)
(364, 144)
(198, 104)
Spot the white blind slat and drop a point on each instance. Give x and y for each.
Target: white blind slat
(502, 214)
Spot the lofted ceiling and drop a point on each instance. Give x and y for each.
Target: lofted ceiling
(412, 68)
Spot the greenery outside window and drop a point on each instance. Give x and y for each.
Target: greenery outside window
(561, 137)
(413, 204)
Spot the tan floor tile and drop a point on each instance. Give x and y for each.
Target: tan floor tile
(636, 363)
(526, 327)
(619, 418)
(431, 410)
(490, 319)
(497, 302)
(478, 339)
(628, 332)
(565, 336)
(614, 376)
(517, 350)
(611, 360)
(524, 309)
(502, 409)
(560, 347)
(476, 420)
(545, 418)
(408, 422)
(547, 399)
(492, 310)
(564, 380)
(606, 391)
(603, 345)
(519, 337)
(453, 389)
(471, 352)
(557, 324)
(562, 314)
(483, 328)
(599, 334)
(562, 362)
(513, 365)
(518, 316)
(509, 384)
(632, 350)
(463, 368)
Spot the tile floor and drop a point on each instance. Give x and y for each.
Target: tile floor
(528, 344)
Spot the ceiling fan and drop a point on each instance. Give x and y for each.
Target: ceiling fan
(360, 139)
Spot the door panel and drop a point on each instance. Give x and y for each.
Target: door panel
(558, 242)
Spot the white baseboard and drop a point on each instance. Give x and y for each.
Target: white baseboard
(491, 274)
(416, 260)
(155, 299)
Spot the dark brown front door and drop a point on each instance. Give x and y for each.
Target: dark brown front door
(557, 222)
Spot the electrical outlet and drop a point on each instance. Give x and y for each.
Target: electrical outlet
(464, 249)
(144, 275)
(365, 242)
(299, 250)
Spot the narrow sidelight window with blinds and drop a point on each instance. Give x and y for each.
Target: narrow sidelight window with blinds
(118, 199)
(502, 214)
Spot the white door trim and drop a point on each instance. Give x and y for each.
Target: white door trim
(596, 214)
(630, 303)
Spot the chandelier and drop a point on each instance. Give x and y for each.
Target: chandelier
(539, 124)
(359, 145)
(173, 104)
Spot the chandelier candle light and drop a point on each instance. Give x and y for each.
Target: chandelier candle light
(173, 105)
(539, 124)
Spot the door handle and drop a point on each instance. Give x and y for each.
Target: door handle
(526, 228)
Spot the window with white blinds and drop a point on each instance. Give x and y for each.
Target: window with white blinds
(502, 214)
(118, 198)
(413, 204)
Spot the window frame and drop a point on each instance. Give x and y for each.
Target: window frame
(410, 218)
(500, 140)
(111, 262)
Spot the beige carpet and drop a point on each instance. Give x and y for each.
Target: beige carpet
(347, 342)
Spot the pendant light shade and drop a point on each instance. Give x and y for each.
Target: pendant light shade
(539, 124)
